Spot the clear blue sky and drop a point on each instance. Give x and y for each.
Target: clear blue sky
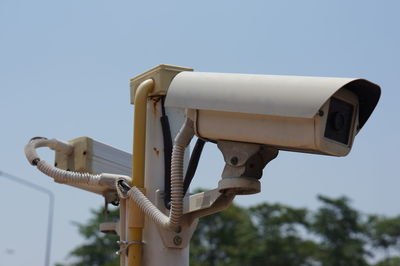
(65, 68)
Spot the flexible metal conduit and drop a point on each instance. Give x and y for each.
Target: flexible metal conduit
(171, 222)
(59, 175)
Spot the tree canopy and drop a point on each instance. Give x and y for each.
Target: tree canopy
(335, 234)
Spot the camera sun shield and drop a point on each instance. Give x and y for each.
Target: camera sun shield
(302, 114)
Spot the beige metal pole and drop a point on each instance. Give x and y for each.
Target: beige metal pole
(135, 215)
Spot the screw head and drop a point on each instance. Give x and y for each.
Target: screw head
(177, 240)
(234, 160)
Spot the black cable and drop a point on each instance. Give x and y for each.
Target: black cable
(167, 139)
(193, 163)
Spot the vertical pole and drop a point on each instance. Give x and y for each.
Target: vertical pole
(49, 228)
(122, 229)
(155, 253)
(135, 215)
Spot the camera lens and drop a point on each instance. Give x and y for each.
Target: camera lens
(339, 121)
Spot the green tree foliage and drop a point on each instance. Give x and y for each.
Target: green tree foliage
(271, 234)
(343, 233)
(99, 248)
(224, 238)
(279, 236)
(385, 232)
(394, 261)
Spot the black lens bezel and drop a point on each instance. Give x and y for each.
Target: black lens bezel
(339, 108)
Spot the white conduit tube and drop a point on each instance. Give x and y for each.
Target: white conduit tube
(172, 221)
(67, 177)
(59, 175)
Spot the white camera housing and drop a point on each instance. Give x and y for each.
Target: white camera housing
(294, 113)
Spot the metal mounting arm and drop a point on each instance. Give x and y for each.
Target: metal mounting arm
(244, 163)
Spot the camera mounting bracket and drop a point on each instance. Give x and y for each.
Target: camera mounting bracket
(244, 163)
(194, 206)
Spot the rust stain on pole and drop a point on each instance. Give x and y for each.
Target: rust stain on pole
(155, 100)
(157, 151)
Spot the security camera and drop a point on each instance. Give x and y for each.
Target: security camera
(302, 114)
(252, 117)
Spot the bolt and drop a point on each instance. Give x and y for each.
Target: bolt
(321, 113)
(234, 160)
(177, 240)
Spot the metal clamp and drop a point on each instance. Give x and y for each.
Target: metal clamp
(124, 245)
